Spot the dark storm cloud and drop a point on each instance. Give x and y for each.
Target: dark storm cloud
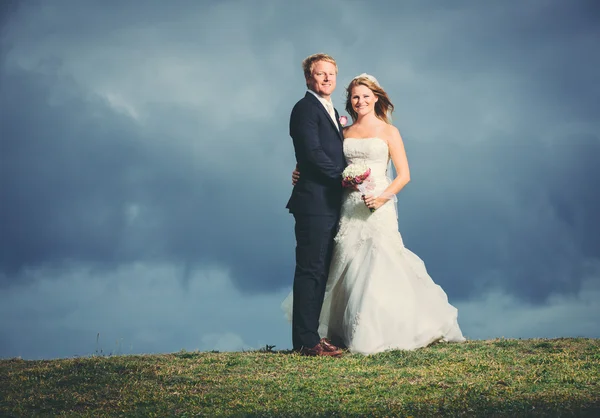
(82, 183)
(529, 213)
(64, 174)
(85, 183)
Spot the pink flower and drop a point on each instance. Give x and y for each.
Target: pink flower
(343, 120)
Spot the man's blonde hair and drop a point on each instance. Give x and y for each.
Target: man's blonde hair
(309, 62)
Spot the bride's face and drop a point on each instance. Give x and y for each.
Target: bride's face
(363, 100)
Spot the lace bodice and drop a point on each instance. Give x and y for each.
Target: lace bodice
(374, 153)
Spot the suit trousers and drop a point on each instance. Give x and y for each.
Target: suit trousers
(314, 248)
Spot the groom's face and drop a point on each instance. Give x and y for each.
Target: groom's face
(322, 79)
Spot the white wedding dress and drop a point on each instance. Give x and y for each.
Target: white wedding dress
(379, 296)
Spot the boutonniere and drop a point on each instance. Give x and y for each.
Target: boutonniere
(343, 120)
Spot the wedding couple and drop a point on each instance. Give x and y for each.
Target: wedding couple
(355, 284)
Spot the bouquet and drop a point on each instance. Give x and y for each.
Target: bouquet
(357, 176)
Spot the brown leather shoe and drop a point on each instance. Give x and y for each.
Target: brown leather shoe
(328, 346)
(318, 350)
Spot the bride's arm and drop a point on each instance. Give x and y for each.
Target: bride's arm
(398, 156)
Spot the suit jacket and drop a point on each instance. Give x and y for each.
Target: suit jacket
(320, 158)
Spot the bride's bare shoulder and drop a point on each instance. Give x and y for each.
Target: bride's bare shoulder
(348, 131)
(392, 133)
(391, 130)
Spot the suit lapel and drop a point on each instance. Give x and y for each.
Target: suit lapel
(322, 108)
(340, 127)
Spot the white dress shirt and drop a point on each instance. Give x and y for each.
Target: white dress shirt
(328, 105)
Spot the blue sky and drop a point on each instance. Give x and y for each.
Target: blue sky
(145, 164)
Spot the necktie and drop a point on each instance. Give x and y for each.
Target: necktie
(331, 111)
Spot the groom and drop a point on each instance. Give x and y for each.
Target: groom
(315, 201)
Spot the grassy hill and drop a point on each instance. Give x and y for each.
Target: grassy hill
(512, 378)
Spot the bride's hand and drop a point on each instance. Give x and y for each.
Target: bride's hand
(295, 176)
(373, 202)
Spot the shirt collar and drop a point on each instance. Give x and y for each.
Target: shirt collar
(321, 99)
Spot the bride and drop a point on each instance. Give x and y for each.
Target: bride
(379, 296)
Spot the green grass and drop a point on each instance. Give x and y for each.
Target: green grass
(479, 378)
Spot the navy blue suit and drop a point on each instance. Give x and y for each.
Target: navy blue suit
(315, 204)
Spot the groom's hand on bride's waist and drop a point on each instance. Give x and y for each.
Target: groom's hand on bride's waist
(295, 176)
